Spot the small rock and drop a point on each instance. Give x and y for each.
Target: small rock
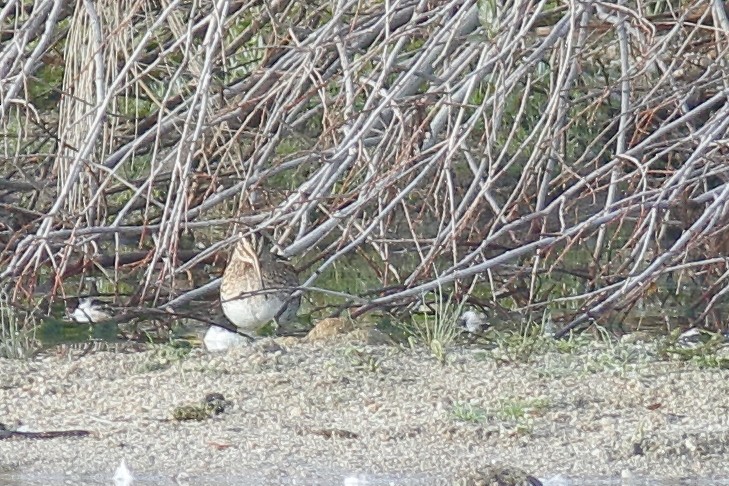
(329, 328)
(473, 322)
(288, 341)
(190, 412)
(636, 337)
(269, 345)
(212, 404)
(499, 476)
(369, 336)
(216, 403)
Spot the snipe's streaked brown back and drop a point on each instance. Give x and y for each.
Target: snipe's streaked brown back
(257, 287)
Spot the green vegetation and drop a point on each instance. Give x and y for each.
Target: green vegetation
(162, 357)
(706, 349)
(514, 411)
(517, 410)
(436, 327)
(465, 412)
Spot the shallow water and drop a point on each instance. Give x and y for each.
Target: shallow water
(18, 479)
(28, 479)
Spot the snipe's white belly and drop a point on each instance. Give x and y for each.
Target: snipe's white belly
(252, 313)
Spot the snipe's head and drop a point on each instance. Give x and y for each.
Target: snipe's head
(247, 249)
(245, 259)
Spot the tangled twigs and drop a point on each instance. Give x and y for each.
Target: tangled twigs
(545, 152)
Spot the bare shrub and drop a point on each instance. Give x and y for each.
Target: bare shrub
(536, 154)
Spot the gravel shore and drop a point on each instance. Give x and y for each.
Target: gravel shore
(308, 413)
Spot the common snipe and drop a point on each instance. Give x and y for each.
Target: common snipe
(257, 287)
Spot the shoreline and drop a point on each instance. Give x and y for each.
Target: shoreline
(302, 410)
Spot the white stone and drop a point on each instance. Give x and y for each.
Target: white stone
(89, 310)
(123, 476)
(473, 321)
(219, 339)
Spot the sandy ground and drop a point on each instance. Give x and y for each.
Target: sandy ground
(317, 413)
